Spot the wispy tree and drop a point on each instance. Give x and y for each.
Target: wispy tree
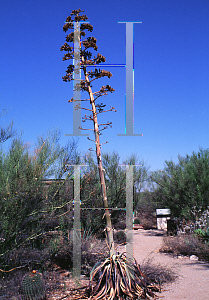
(116, 179)
(26, 206)
(6, 132)
(184, 187)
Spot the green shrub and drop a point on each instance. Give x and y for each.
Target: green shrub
(137, 221)
(121, 236)
(202, 234)
(27, 203)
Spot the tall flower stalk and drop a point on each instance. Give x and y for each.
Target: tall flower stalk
(85, 85)
(99, 162)
(118, 277)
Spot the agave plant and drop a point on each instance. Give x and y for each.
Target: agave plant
(118, 277)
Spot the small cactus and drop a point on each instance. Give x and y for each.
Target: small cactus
(33, 286)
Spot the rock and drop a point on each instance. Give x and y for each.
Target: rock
(193, 257)
(67, 274)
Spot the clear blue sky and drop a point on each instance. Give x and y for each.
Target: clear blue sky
(171, 62)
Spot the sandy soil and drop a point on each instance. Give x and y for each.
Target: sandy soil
(193, 280)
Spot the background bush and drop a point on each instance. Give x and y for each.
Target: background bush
(183, 186)
(186, 245)
(137, 221)
(120, 236)
(28, 208)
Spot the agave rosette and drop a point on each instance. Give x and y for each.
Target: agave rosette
(119, 277)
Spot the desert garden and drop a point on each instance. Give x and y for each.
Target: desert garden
(51, 205)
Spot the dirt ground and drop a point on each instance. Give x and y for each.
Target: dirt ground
(193, 276)
(192, 282)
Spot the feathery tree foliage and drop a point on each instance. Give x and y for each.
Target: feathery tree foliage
(184, 186)
(115, 178)
(6, 132)
(26, 205)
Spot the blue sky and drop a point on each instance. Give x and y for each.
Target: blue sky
(171, 76)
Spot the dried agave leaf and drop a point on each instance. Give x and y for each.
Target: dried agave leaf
(120, 278)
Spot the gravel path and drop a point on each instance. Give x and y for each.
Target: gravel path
(193, 280)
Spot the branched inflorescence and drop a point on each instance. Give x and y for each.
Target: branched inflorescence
(85, 59)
